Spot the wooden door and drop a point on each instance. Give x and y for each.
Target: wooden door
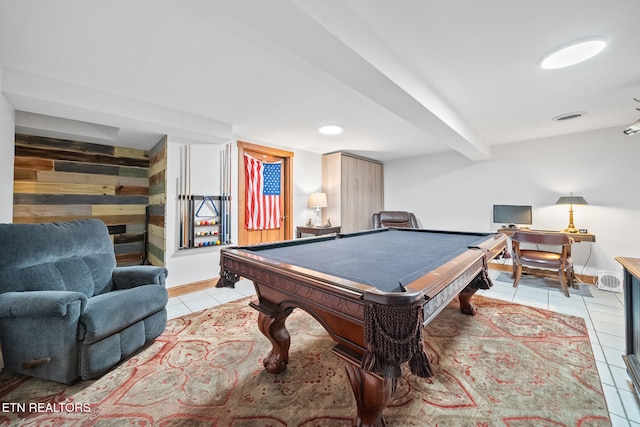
(353, 194)
(332, 187)
(362, 192)
(376, 191)
(250, 235)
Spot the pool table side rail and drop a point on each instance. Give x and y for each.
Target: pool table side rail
(435, 281)
(443, 284)
(248, 265)
(338, 308)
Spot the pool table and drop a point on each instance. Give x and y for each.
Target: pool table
(372, 291)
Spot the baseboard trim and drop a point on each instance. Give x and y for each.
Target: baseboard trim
(188, 288)
(584, 278)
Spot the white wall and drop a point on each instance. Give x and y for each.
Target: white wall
(7, 150)
(448, 191)
(194, 265)
(307, 179)
(190, 265)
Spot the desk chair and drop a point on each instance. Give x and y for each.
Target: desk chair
(397, 219)
(543, 258)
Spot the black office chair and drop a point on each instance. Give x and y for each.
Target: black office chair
(397, 219)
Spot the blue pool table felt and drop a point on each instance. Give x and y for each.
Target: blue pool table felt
(386, 260)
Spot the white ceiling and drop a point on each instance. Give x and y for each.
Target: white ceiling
(404, 77)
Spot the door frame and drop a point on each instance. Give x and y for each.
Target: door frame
(287, 187)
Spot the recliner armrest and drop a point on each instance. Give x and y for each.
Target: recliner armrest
(138, 275)
(39, 303)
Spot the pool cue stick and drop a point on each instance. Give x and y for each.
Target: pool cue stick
(180, 207)
(185, 240)
(190, 198)
(222, 186)
(227, 172)
(227, 197)
(228, 193)
(184, 197)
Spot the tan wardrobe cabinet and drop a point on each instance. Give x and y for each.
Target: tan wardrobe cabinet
(354, 187)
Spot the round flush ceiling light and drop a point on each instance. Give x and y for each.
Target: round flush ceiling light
(573, 53)
(330, 129)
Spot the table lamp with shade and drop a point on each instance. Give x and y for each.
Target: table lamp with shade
(317, 201)
(571, 200)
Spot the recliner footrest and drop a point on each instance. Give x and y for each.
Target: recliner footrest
(116, 310)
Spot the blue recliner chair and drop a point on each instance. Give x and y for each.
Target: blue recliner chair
(66, 310)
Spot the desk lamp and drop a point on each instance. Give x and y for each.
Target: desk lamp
(317, 200)
(571, 200)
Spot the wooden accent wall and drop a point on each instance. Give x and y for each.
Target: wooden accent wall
(157, 203)
(62, 180)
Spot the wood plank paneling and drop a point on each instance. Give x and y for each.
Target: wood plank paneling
(156, 243)
(134, 172)
(51, 144)
(131, 153)
(33, 163)
(25, 175)
(128, 259)
(88, 168)
(76, 178)
(62, 180)
(157, 231)
(107, 219)
(102, 210)
(152, 259)
(73, 156)
(127, 238)
(62, 188)
(157, 178)
(157, 199)
(51, 210)
(76, 199)
(130, 190)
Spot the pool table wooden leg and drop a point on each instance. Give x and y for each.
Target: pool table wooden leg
(272, 326)
(372, 395)
(466, 306)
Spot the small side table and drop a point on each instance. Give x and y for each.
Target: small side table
(316, 231)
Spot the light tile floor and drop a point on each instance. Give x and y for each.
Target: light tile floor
(603, 314)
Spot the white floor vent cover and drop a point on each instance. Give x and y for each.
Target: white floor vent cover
(610, 281)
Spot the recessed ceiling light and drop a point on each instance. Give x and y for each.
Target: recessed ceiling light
(330, 129)
(573, 53)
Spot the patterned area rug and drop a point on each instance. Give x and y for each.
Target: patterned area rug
(545, 283)
(510, 365)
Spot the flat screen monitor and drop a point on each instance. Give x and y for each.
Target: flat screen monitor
(512, 215)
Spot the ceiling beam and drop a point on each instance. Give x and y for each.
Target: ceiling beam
(335, 39)
(416, 102)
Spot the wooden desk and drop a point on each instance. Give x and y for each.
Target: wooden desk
(577, 237)
(316, 231)
(632, 318)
